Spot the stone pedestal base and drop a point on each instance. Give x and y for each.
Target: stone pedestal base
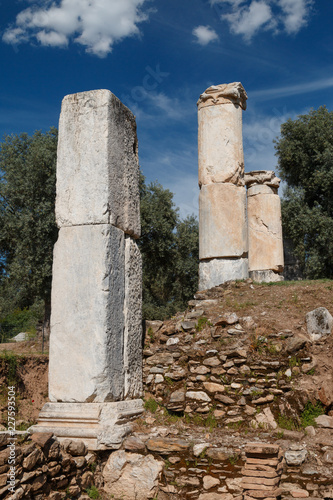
(266, 276)
(101, 426)
(213, 272)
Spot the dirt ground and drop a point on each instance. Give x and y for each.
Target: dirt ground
(30, 348)
(279, 306)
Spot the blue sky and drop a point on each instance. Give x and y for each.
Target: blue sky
(158, 56)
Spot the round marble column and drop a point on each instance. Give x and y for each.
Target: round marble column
(264, 226)
(222, 201)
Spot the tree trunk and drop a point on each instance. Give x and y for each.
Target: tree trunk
(47, 315)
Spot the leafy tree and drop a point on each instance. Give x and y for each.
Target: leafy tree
(169, 248)
(186, 265)
(305, 162)
(28, 229)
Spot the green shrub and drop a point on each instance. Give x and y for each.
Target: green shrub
(311, 412)
(232, 459)
(293, 361)
(93, 492)
(93, 466)
(202, 322)
(10, 360)
(211, 421)
(21, 320)
(151, 405)
(287, 423)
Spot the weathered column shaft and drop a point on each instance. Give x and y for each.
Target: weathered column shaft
(264, 226)
(222, 210)
(95, 342)
(220, 142)
(222, 201)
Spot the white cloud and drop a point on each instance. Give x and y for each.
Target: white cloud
(235, 3)
(186, 192)
(175, 165)
(248, 17)
(95, 24)
(205, 35)
(295, 14)
(14, 34)
(52, 38)
(170, 106)
(248, 20)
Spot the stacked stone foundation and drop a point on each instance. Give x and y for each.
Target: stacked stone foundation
(262, 471)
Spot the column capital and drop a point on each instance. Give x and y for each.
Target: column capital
(267, 177)
(225, 93)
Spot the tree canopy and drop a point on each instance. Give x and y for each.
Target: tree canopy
(170, 253)
(169, 245)
(305, 162)
(28, 229)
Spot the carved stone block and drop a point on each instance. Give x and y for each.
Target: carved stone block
(97, 166)
(222, 221)
(95, 320)
(216, 271)
(100, 426)
(265, 231)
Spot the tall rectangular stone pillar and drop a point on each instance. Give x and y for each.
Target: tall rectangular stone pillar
(222, 201)
(264, 226)
(95, 370)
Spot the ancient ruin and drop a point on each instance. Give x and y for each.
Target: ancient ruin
(231, 415)
(222, 202)
(264, 226)
(239, 235)
(95, 374)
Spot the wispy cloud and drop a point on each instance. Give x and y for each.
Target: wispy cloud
(248, 17)
(169, 106)
(95, 24)
(157, 105)
(289, 90)
(295, 14)
(205, 34)
(248, 20)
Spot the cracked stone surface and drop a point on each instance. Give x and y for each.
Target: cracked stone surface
(220, 144)
(87, 320)
(265, 231)
(97, 165)
(222, 221)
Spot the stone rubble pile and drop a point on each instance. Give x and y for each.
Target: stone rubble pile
(209, 366)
